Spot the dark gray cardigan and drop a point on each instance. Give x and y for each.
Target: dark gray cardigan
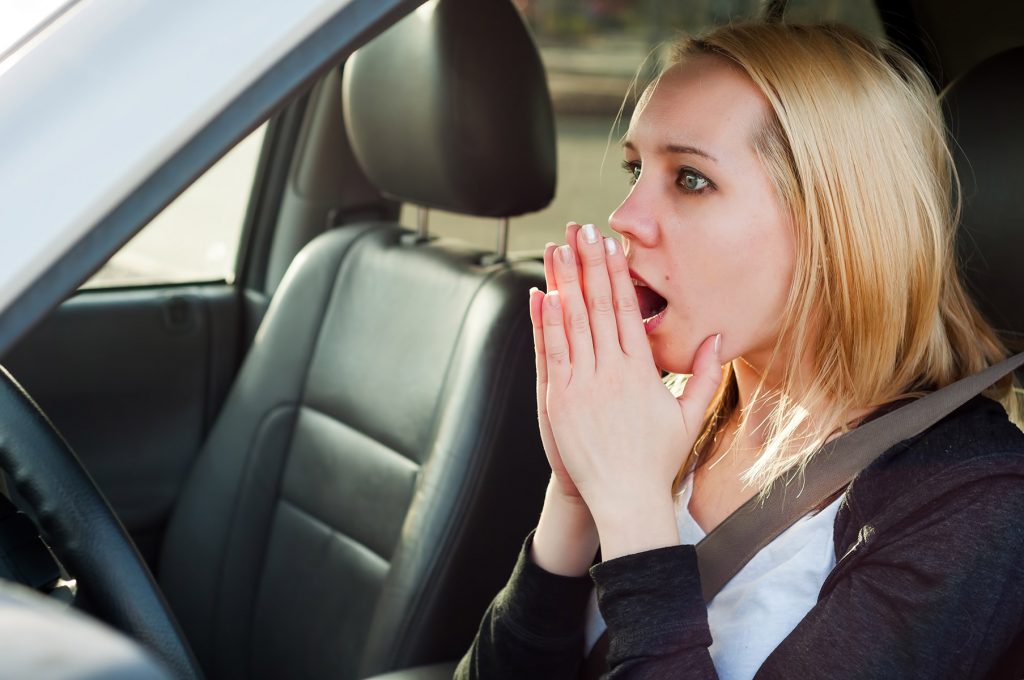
(929, 581)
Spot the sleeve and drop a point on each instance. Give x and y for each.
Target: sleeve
(939, 595)
(656, 616)
(532, 629)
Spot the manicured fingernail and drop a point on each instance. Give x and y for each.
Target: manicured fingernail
(565, 252)
(533, 290)
(610, 246)
(554, 300)
(590, 233)
(718, 344)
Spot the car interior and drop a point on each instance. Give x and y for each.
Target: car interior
(326, 467)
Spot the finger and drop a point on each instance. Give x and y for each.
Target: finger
(597, 290)
(556, 345)
(549, 267)
(703, 383)
(549, 273)
(571, 229)
(536, 316)
(632, 336)
(547, 438)
(574, 310)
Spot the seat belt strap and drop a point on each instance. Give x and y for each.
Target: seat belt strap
(736, 540)
(755, 524)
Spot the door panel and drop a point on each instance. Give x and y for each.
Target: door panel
(133, 380)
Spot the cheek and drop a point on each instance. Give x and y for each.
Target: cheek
(762, 272)
(733, 280)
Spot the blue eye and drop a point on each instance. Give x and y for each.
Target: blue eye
(632, 168)
(693, 181)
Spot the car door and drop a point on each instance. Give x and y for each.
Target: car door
(133, 366)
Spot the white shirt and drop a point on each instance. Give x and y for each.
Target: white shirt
(762, 604)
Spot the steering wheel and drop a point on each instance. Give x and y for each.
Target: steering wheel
(82, 530)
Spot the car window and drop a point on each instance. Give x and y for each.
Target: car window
(196, 237)
(861, 14)
(591, 51)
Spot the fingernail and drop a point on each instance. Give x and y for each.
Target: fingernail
(610, 246)
(718, 344)
(570, 223)
(553, 297)
(533, 290)
(565, 252)
(590, 233)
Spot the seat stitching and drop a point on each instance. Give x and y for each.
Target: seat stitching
(496, 401)
(219, 614)
(353, 428)
(333, 529)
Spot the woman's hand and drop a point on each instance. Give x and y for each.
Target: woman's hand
(618, 432)
(561, 482)
(566, 538)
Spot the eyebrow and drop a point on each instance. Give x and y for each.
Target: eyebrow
(677, 148)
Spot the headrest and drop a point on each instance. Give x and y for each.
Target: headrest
(450, 109)
(985, 108)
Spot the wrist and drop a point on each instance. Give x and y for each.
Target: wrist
(566, 539)
(637, 526)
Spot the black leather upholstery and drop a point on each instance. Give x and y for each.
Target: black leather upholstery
(363, 494)
(450, 107)
(376, 466)
(985, 108)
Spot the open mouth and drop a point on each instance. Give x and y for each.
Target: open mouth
(651, 303)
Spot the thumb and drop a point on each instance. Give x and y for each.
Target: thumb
(703, 383)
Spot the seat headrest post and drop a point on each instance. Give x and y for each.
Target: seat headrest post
(501, 248)
(422, 229)
(500, 254)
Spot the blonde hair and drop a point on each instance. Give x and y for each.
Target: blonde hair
(855, 145)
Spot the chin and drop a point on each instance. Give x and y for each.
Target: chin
(671, 359)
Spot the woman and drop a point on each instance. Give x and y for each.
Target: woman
(787, 244)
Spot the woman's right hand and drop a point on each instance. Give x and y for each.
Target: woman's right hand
(562, 481)
(566, 538)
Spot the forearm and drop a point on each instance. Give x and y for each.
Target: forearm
(534, 627)
(566, 539)
(656, 616)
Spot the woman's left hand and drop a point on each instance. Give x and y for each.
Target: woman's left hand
(621, 434)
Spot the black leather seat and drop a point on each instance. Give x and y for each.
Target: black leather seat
(376, 466)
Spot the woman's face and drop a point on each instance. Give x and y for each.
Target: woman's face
(702, 225)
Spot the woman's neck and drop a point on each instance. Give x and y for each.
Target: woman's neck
(758, 396)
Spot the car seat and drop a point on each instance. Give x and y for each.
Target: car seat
(376, 466)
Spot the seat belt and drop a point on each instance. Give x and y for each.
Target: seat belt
(755, 524)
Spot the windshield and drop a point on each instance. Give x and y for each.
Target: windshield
(22, 19)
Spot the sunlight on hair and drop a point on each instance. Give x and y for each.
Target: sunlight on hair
(856, 147)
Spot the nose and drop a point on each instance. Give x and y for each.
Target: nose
(635, 217)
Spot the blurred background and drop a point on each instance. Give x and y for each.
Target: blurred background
(592, 51)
